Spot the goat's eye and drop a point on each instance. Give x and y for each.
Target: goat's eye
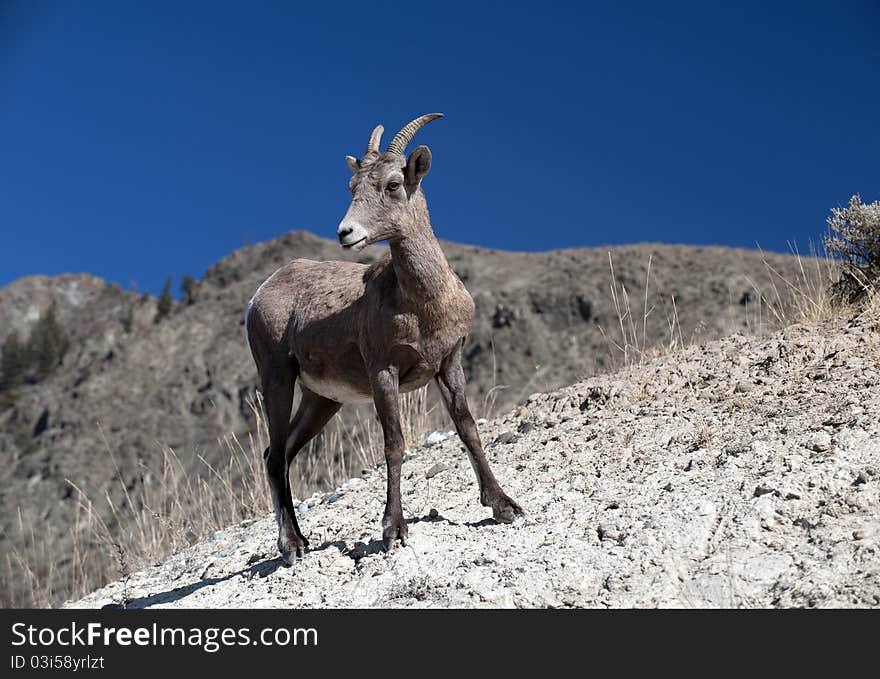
(391, 187)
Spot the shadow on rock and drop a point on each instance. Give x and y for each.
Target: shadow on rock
(261, 570)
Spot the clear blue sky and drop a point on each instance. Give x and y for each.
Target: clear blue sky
(142, 139)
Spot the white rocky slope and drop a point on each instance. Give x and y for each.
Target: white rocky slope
(740, 473)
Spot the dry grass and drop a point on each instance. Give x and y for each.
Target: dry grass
(811, 296)
(785, 299)
(628, 343)
(179, 503)
(804, 299)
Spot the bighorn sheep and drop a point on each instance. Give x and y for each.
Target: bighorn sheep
(351, 332)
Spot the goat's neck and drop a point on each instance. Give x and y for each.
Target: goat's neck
(424, 277)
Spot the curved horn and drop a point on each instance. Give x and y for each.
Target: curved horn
(404, 137)
(373, 145)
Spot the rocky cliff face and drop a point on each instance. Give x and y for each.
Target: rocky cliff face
(127, 386)
(741, 473)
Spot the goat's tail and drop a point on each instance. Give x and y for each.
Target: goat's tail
(247, 321)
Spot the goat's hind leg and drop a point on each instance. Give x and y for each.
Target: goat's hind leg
(451, 383)
(312, 415)
(278, 400)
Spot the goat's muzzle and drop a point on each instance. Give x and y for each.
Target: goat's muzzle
(352, 235)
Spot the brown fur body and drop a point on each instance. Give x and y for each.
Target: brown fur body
(368, 315)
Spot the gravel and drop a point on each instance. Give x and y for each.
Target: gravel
(663, 485)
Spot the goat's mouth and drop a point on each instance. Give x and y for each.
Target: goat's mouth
(362, 242)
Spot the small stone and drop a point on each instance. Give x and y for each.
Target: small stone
(596, 395)
(820, 441)
(858, 534)
(860, 479)
(433, 513)
(735, 449)
(505, 437)
(525, 427)
(742, 388)
(706, 509)
(435, 437)
(668, 487)
(303, 507)
(762, 489)
(436, 469)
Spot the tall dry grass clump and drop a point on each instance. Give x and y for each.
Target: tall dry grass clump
(843, 276)
(779, 300)
(803, 298)
(628, 342)
(842, 273)
(180, 502)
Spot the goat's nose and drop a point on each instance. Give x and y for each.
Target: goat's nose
(343, 232)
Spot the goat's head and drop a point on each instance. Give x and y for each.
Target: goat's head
(385, 189)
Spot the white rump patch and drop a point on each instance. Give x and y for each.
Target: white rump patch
(247, 311)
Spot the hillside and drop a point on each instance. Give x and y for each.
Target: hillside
(739, 473)
(128, 386)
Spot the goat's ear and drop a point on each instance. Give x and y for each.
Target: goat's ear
(352, 164)
(417, 165)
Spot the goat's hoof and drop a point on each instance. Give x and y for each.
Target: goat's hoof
(395, 529)
(292, 549)
(505, 510)
(388, 543)
(289, 558)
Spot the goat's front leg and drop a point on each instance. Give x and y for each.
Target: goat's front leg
(451, 383)
(385, 387)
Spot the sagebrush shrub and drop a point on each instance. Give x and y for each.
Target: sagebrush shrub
(854, 240)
